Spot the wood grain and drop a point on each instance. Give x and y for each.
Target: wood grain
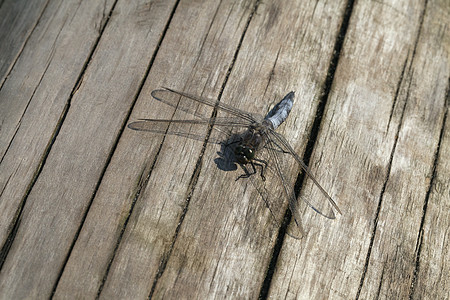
(152, 174)
(430, 277)
(376, 83)
(18, 20)
(36, 95)
(56, 205)
(222, 247)
(92, 209)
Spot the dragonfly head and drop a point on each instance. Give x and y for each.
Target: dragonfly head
(244, 154)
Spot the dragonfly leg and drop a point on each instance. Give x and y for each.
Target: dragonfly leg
(254, 163)
(263, 164)
(247, 174)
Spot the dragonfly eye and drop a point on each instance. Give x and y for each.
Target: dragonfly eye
(249, 154)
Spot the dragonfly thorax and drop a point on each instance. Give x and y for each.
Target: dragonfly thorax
(249, 142)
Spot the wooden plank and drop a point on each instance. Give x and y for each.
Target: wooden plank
(18, 19)
(45, 74)
(157, 179)
(121, 214)
(393, 260)
(148, 236)
(224, 245)
(98, 109)
(379, 83)
(433, 267)
(430, 79)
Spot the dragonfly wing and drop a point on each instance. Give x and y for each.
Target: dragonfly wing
(276, 166)
(322, 204)
(271, 200)
(183, 101)
(161, 127)
(191, 120)
(193, 129)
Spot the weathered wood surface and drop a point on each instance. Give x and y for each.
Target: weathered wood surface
(17, 20)
(92, 209)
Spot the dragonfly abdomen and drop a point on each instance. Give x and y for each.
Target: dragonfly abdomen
(280, 112)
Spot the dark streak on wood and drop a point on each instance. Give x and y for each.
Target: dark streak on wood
(425, 204)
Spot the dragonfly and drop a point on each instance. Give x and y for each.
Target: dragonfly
(253, 142)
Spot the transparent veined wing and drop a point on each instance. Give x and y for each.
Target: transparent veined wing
(183, 101)
(190, 121)
(278, 188)
(322, 204)
(188, 117)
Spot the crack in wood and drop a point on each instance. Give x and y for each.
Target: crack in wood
(419, 241)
